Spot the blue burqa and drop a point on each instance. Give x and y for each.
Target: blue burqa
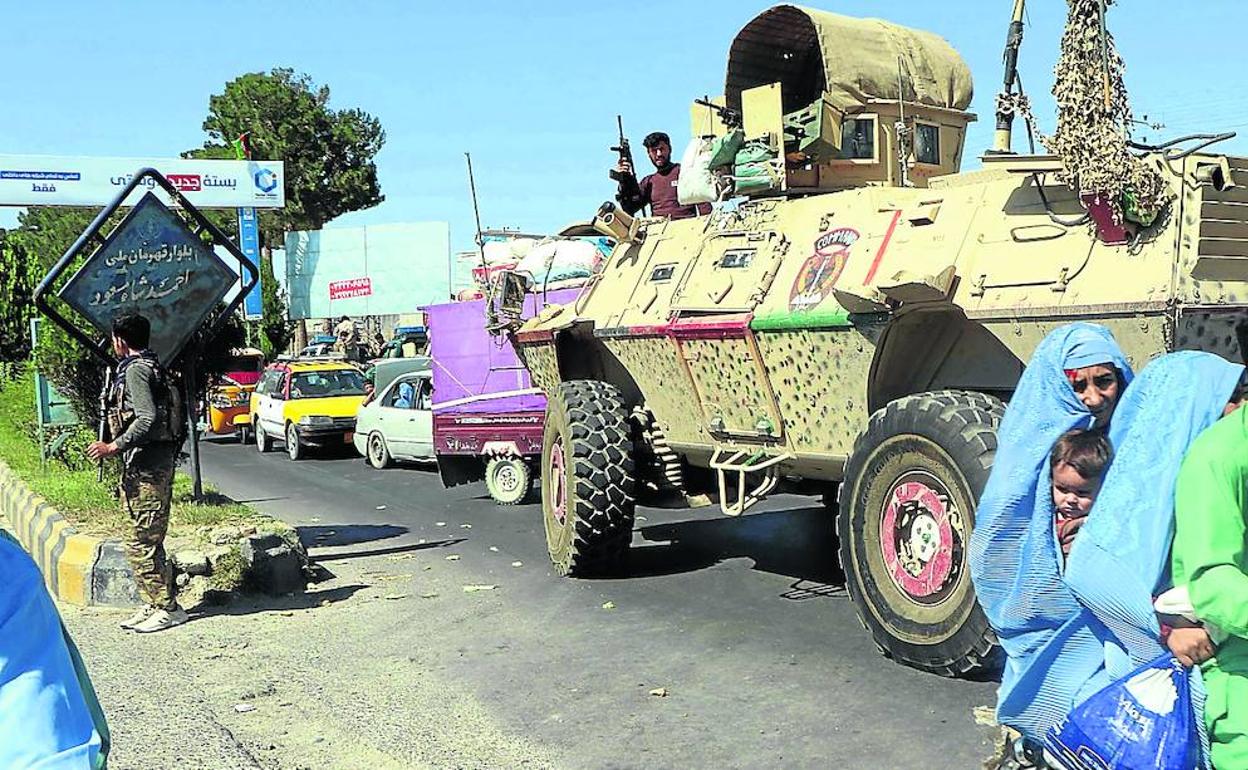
(45, 720)
(1069, 635)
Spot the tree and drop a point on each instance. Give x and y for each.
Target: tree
(275, 329)
(328, 154)
(19, 274)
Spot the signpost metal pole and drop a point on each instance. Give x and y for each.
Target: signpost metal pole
(34, 341)
(192, 418)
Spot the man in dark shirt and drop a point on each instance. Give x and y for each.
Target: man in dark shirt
(146, 431)
(658, 190)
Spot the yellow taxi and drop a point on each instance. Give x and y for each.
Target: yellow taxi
(229, 396)
(306, 403)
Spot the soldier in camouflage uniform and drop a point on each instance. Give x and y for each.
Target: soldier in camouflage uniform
(143, 421)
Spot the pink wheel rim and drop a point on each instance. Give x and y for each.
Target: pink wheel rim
(917, 539)
(558, 483)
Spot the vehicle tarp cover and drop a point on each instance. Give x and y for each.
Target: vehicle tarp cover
(812, 52)
(475, 372)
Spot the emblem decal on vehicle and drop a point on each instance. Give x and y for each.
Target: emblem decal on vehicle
(820, 272)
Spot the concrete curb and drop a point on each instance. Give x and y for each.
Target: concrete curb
(78, 569)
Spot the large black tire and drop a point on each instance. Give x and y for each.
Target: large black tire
(587, 478)
(508, 479)
(907, 507)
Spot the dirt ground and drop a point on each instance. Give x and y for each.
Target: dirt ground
(278, 683)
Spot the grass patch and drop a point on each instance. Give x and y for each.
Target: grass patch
(69, 480)
(228, 573)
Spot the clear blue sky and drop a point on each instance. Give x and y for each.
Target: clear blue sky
(530, 88)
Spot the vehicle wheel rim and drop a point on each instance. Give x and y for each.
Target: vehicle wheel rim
(374, 448)
(292, 440)
(505, 477)
(557, 473)
(921, 538)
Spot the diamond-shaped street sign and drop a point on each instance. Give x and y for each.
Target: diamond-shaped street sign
(155, 265)
(158, 263)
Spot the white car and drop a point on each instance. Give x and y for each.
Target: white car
(396, 423)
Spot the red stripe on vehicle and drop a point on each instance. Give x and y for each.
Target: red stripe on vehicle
(879, 254)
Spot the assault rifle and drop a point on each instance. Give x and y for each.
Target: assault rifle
(103, 431)
(626, 156)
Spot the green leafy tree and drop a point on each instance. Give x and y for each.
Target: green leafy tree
(328, 154)
(328, 157)
(19, 275)
(275, 329)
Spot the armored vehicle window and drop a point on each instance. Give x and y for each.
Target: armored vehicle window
(662, 273)
(737, 258)
(858, 139)
(927, 143)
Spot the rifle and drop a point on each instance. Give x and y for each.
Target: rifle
(102, 431)
(626, 156)
(730, 117)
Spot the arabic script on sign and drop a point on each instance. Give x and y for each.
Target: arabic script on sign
(353, 287)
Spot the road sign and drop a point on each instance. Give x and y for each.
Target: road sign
(153, 264)
(52, 408)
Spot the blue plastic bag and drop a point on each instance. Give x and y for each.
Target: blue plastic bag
(1141, 722)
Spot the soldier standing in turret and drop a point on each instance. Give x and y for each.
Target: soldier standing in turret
(657, 190)
(144, 421)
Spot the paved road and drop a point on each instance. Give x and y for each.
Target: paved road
(741, 620)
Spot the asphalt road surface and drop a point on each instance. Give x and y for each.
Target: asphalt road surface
(743, 622)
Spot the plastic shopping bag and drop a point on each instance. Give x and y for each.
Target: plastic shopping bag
(1141, 722)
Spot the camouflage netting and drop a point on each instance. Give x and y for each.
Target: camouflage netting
(1091, 136)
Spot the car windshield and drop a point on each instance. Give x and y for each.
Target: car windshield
(340, 382)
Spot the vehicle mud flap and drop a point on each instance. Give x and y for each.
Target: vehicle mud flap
(907, 506)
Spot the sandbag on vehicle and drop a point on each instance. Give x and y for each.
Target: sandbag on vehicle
(560, 260)
(696, 183)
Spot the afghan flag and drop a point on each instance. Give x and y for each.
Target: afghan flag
(242, 147)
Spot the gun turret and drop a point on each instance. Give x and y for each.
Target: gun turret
(731, 118)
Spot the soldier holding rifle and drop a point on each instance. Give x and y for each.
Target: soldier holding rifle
(657, 190)
(144, 421)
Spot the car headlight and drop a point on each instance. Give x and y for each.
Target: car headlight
(316, 419)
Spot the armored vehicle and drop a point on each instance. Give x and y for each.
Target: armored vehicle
(855, 324)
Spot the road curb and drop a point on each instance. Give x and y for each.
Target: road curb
(77, 569)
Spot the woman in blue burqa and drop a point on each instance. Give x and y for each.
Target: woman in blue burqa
(50, 718)
(1070, 630)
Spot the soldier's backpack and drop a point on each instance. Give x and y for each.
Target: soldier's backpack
(170, 408)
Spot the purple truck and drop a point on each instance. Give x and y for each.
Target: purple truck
(487, 416)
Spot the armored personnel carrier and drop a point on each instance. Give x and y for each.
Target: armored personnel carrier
(855, 324)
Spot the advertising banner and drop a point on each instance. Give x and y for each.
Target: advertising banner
(361, 271)
(249, 243)
(51, 180)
